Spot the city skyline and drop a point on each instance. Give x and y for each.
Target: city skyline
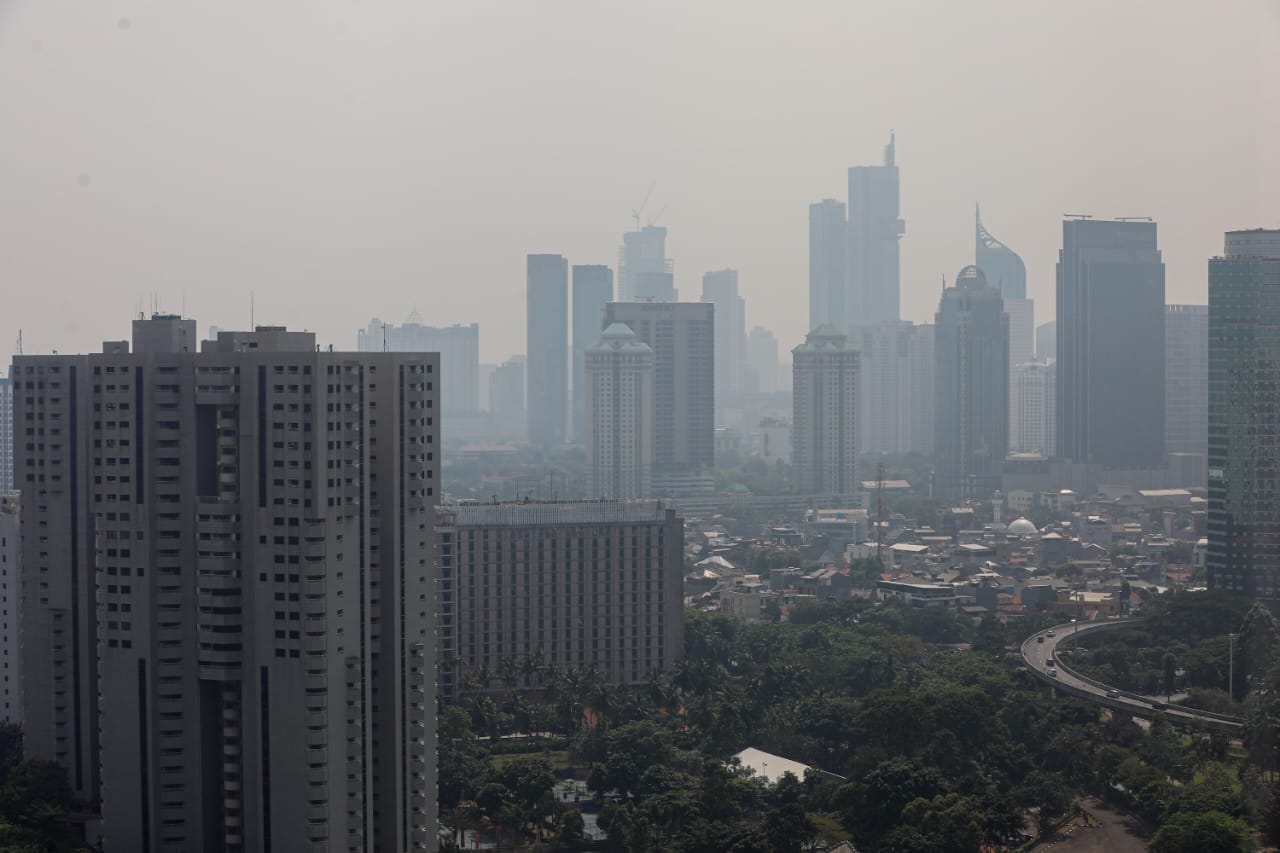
(396, 220)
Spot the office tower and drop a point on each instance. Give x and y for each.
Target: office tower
(1002, 266)
(1110, 344)
(227, 622)
(828, 270)
(875, 228)
(887, 385)
(10, 606)
(6, 434)
(971, 358)
(1047, 340)
(1037, 398)
(592, 290)
(506, 389)
(720, 288)
(824, 432)
(1186, 395)
(620, 412)
(547, 336)
(459, 348)
(682, 336)
(762, 360)
(572, 585)
(1006, 272)
(1244, 364)
(923, 398)
(644, 271)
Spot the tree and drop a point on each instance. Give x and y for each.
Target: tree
(36, 794)
(1208, 832)
(1170, 673)
(1049, 795)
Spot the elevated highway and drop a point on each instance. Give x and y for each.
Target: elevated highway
(1042, 647)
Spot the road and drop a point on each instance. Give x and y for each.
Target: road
(1037, 654)
(1116, 832)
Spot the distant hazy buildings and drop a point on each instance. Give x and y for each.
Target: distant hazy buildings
(459, 348)
(575, 585)
(895, 378)
(506, 390)
(720, 288)
(824, 436)
(875, 227)
(1035, 413)
(828, 272)
(682, 336)
(228, 633)
(1186, 396)
(1111, 312)
(762, 360)
(1047, 340)
(619, 415)
(547, 336)
(1244, 427)
(10, 606)
(1006, 272)
(644, 271)
(972, 388)
(592, 290)
(6, 434)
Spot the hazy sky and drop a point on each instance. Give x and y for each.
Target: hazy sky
(348, 159)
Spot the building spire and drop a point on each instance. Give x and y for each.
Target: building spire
(889, 150)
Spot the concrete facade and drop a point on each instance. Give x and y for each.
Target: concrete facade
(824, 434)
(875, 229)
(720, 288)
(10, 607)
(620, 413)
(6, 434)
(228, 614)
(547, 336)
(1186, 381)
(592, 290)
(459, 348)
(682, 336)
(574, 585)
(828, 268)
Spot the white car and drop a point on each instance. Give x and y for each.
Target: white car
(1053, 673)
(1051, 634)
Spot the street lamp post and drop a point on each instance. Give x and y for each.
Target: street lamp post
(1075, 629)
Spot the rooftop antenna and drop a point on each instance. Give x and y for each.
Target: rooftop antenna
(19, 342)
(251, 310)
(1133, 218)
(1077, 216)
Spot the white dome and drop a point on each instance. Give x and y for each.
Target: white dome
(1022, 527)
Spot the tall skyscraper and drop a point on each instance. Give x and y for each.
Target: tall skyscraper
(923, 399)
(1002, 266)
(227, 620)
(682, 336)
(875, 227)
(1244, 421)
(762, 360)
(1006, 272)
(1110, 344)
(547, 336)
(10, 606)
(720, 288)
(592, 290)
(600, 585)
(644, 271)
(828, 270)
(620, 413)
(971, 358)
(824, 431)
(459, 348)
(887, 386)
(1037, 399)
(6, 434)
(1186, 396)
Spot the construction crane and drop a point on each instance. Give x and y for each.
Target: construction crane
(635, 214)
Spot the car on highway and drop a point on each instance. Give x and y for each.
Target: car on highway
(1053, 673)
(1040, 639)
(1159, 706)
(1113, 694)
(1051, 634)
(1049, 663)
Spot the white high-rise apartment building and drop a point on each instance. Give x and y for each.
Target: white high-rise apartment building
(619, 411)
(824, 434)
(10, 607)
(228, 621)
(1036, 412)
(1022, 348)
(894, 377)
